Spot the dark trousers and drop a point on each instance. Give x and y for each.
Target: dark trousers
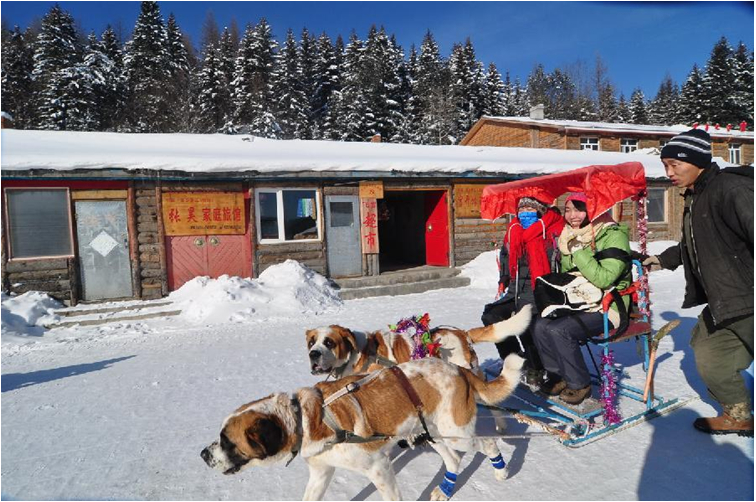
(558, 342)
(499, 311)
(722, 352)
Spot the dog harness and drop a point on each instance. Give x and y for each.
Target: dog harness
(372, 358)
(344, 436)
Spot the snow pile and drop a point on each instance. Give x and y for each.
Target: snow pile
(483, 271)
(24, 315)
(281, 290)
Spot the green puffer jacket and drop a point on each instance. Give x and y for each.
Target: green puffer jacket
(603, 274)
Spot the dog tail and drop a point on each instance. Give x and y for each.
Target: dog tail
(495, 333)
(500, 387)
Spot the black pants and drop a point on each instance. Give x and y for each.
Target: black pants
(501, 310)
(558, 341)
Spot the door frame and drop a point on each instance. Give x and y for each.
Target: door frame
(449, 208)
(357, 221)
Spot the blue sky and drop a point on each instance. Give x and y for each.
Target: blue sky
(640, 42)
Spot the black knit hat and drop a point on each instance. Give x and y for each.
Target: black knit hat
(693, 147)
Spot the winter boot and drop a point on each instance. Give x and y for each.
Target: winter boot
(575, 396)
(553, 385)
(533, 377)
(735, 419)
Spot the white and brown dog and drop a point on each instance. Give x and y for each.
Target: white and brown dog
(274, 429)
(338, 351)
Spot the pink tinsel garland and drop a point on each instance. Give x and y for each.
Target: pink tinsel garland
(609, 389)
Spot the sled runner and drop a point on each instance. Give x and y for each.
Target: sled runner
(623, 402)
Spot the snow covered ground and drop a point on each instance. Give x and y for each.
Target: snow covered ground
(122, 411)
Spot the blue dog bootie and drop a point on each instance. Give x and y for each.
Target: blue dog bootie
(447, 485)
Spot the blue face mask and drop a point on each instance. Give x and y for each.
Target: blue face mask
(527, 218)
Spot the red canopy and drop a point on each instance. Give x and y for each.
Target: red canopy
(604, 186)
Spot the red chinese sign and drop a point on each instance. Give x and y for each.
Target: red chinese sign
(467, 200)
(369, 225)
(203, 213)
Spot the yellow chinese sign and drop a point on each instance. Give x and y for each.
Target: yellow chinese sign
(369, 226)
(467, 200)
(371, 189)
(202, 213)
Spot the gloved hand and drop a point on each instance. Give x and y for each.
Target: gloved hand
(574, 244)
(653, 263)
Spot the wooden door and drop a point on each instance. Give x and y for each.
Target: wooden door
(436, 229)
(187, 259)
(226, 254)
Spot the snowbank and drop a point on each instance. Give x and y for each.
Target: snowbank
(281, 290)
(483, 271)
(23, 315)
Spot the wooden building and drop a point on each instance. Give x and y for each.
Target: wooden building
(529, 132)
(95, 216)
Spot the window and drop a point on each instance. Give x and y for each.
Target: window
(589, 144)
(628, 145)
(656, 209)
(287, 214)
(39, 222)
(735, 154)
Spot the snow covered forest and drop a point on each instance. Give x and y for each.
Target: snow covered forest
(315, 87)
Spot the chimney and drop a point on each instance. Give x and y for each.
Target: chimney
(536, 112)
(6, 121)
(376, 138)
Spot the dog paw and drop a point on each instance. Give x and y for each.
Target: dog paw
(501, 474)
(437, 494)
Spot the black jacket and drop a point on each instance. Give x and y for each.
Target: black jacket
(721, 217)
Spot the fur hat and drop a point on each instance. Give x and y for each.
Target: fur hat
(693, 147)
(530, 201)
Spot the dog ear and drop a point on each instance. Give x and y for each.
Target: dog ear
(349, 340)
(268, 434)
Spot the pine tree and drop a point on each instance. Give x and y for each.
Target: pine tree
(608, 108)
(510, 108)
(743, 95)
(307, 57)
(180, 82)
(291, 103)
(210, 34)
(148, 73)
(718, 85)
(253, 80)
(538, 89)
(61, 95)
(496, 93)
(437, 106)
(353, 105)
(214, 96)
(409, 128)
(105, 84)
(662, 110)
(379, 71)
(624, 115)
(520, 103)
(638, 108)
(561, 96)
(691, 107)
(468, 89)
(17, 83)
(328, 76)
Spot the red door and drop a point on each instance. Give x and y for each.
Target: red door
(213, 255)
(436, 229)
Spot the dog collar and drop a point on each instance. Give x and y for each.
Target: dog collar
(298, 423)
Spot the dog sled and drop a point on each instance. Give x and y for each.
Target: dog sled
(625, 400)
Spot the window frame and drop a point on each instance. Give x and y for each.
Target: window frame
(735, 147)
(279, 191)
(634, 146)
(584, 140)
(665, 205)
(6, 208)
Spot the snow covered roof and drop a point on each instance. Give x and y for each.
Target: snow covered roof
(622, 128)
(218, 153)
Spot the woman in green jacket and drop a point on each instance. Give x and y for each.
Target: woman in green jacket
(558, 340)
